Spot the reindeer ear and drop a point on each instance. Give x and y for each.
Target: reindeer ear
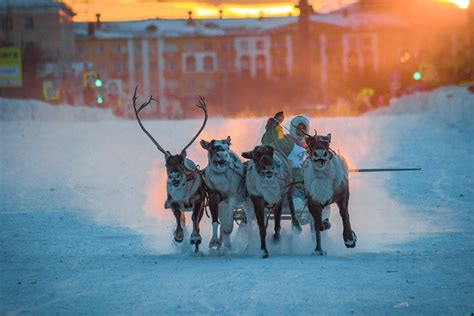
(183, 155)
(247, 154)
(204, 144)
(228, 140)
(329, 137)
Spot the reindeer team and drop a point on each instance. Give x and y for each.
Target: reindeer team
(263, 182)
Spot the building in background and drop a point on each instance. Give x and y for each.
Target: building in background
(44, 33)
(346, 61)
(256, 66)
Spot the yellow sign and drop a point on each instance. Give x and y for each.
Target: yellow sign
(89, 78)
(10, 67)
(50, 91)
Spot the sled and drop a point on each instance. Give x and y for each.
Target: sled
(241, 218)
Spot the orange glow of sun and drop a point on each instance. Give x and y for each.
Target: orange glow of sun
(462, 4)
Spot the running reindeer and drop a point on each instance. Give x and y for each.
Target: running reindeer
(225, 181)
(268, 181)
(325, 176)
(185, 186)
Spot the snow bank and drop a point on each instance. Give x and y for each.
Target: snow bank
(452, 105)
(34, 110)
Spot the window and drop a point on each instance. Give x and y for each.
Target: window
(81, 50)
(191, 84)
(208, 64)
(207, 46)
(244, 45)
(245, 62)
(226, 46)
(190, 47)
(245, 66)
(28, 47)
(260, 66)
(171, 48)
(101, 68)
(260, 62)
(260, 44)
(29, 25)
(367, 42)
(171, 84)
(190, 64)
(118, 48)
(6, 23)
(170, 65)
(119, 67)
(209, 84)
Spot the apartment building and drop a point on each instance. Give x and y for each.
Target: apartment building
(312, 58)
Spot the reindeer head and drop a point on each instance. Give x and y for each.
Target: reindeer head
(218, 153)
(262, 156)
(176, 169)
(319, 153)
(175, 164)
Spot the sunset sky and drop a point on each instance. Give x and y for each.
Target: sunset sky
(121, 10)
(117, 10)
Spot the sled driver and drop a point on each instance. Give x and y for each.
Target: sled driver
(293, 145)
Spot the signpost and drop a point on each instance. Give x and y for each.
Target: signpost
(10, 67)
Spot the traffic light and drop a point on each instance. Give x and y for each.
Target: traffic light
(417, 75)
(98, 85)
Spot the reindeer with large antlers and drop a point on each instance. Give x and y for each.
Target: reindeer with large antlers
(185, 185)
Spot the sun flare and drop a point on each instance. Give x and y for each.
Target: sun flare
(462, 4)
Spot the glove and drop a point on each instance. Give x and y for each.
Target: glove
(275, 120)
(279, 116)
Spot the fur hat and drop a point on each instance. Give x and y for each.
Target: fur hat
(297, 120)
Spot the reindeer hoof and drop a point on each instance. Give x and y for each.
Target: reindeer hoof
(276, 238)
(215, 243)
(352, 242)
(319, 252)
(264, 253)
(178, 235)
(296, 227)
(195, 239)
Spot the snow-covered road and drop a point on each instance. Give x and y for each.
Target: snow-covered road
(83, 229)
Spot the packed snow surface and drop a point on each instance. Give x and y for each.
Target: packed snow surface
(83, 229)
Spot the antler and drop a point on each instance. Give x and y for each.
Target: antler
(145, 104)
(202, 105)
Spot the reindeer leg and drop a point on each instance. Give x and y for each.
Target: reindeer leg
(227, 220)
(213, 206)
(178, 233)
(316, 211)
(198, 211)
(277, 217)
(259, 207)
(348, 234)
(295, 224)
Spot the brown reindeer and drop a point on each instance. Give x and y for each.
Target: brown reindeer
(268, 180)
(325, 176)
(185, 186)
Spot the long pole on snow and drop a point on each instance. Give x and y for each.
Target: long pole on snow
(384, 169)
